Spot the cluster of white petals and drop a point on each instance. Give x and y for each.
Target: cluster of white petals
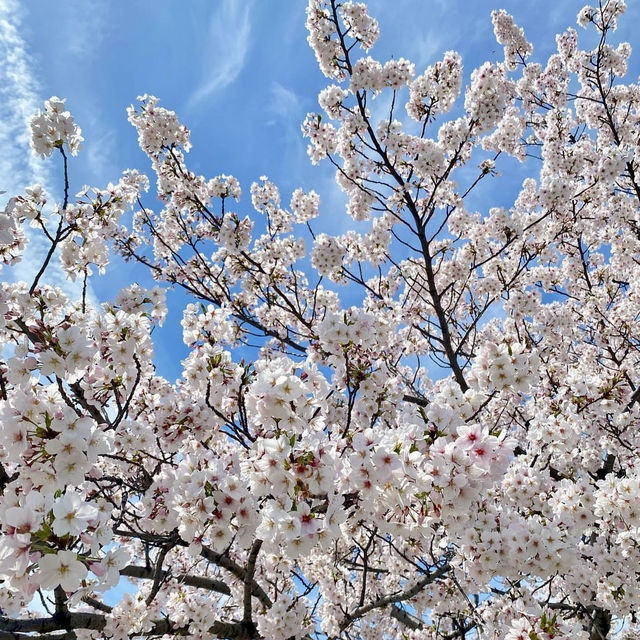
(505, 366)
(435, 91)
(53, 128)
(327, 255)
(486, 99)
(507, 33)
(424, 425)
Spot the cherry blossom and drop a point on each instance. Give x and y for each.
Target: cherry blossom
(421, 423)
(53, 128)
(72, 515)
(62, 568)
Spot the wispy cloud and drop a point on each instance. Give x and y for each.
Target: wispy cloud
(427, 49)
(226, 48)
(86, 24)
(20, 99)
(283, 104)
(100, 152)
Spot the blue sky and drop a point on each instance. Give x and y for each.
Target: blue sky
(239, 73)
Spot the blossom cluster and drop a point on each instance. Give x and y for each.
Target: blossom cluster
(505, 366)
(446, 446)
(158, 128)
(435, 91)
(53, 128)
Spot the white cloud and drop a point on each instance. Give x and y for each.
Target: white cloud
(427, 49)
(226, 49)
(85, 25)
(99, 153)
(283, 103)
(19, 100)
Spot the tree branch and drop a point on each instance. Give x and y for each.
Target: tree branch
(145, 573)
(359, 612)
(16, 629)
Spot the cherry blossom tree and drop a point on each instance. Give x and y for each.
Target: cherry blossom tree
(455, 455)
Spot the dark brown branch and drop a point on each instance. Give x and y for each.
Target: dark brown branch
(191, 581)
(6, 635)
(406, 618)
(402, 596)
(421, 402)
(225, 562)
(15, 629)
(222, 560)
(249, 570)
